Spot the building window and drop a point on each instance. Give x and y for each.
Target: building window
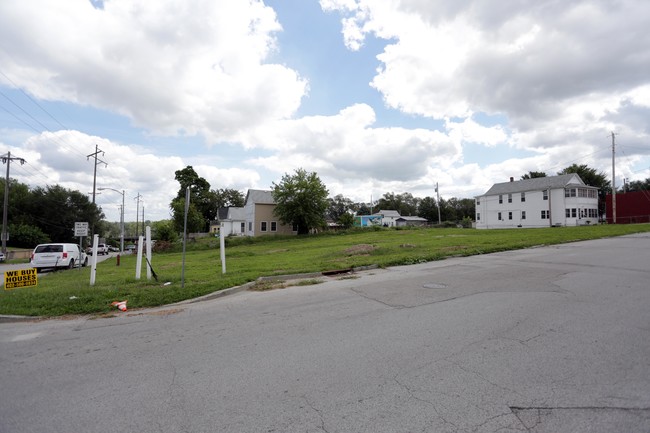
(250, 226)
(509, 198)
(509, 215)
(523, 197)
(545, 194)
(294, 227)
(567, 213)
(545, 214)
(570, 192)
(499, 216)
(263, 225)
(478, 201)
(500, 200)
(274, 226)
(573, 213)
(243, 227)
(478, 216)
(523, 214)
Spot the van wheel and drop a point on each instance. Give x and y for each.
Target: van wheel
(85, 262)
(71, 264)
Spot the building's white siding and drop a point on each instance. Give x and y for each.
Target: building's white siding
(538, 207)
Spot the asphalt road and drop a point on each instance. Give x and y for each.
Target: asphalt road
(552, 339)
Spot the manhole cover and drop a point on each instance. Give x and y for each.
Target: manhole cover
(435, 286)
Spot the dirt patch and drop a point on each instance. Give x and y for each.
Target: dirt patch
(360, 249)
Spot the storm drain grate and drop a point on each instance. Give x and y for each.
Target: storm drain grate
(435, 286)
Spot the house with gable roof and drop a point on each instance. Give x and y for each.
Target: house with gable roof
(562, 200)
(259, 217)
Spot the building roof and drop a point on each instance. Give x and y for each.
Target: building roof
(388, 213)
(411, 218)
(236, 214)
(259, 196)
(537, 184)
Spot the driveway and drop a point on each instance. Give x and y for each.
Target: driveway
(552, 339)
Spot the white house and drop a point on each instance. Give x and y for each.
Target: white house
(234, 222)
(562, 200)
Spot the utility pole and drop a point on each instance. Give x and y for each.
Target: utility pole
(438, 202)
(137, 213)
(97, 161)
(613, 178)
(6, 159)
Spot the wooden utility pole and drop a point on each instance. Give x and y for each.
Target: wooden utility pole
(97, 161)
(613, 178)
(6, 159)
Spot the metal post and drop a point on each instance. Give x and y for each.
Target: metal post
(6, 159)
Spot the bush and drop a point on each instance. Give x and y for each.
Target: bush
(26, 236)
(466, 223)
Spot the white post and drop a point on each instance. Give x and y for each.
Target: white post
(222, 248)
(138, 263)
(148, 233)
(93, 261)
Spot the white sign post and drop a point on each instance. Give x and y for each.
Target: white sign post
(80, 230)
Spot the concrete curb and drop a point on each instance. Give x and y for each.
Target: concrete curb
(220, 293)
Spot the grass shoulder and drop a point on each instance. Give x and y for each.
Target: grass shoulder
(247, 259)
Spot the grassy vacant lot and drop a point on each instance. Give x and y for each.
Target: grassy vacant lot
(69, 292)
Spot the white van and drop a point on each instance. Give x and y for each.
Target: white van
(57, 256)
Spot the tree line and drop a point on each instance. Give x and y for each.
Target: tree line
(46, 214)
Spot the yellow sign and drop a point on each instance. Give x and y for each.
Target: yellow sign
(20, 278)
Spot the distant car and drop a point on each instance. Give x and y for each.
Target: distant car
(102, 249)
(113, 249)
(57, 256)
(129, 248)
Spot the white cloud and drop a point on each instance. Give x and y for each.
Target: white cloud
(51, 160)
(347, 146)
(543, 65)
(169, 66)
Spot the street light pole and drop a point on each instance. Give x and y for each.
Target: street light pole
(121, 218)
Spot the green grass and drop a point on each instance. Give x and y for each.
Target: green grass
(69, 292)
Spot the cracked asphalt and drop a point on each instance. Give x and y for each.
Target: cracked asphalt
(549, 339)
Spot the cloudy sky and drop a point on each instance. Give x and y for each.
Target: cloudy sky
(375, 96)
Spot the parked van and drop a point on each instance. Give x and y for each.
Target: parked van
(57, 256)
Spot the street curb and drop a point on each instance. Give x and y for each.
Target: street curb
(220, 293)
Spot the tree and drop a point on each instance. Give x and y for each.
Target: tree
(55, 209)
(404, 203)
(533, 175)
(338, 206)
(346, 220)
(195, 220)
(589, 176)
(639, 185)
(164, 231)
(226, 198)
(201, 198)
(301, 200)
(428, 209)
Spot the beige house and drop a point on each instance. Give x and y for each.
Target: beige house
(259, 217)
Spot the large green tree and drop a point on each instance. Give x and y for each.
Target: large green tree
(533, 175)
(202, 199)
(404, 203)
(301, 200)
(638, 185)
(338, 206)
(428, 209)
